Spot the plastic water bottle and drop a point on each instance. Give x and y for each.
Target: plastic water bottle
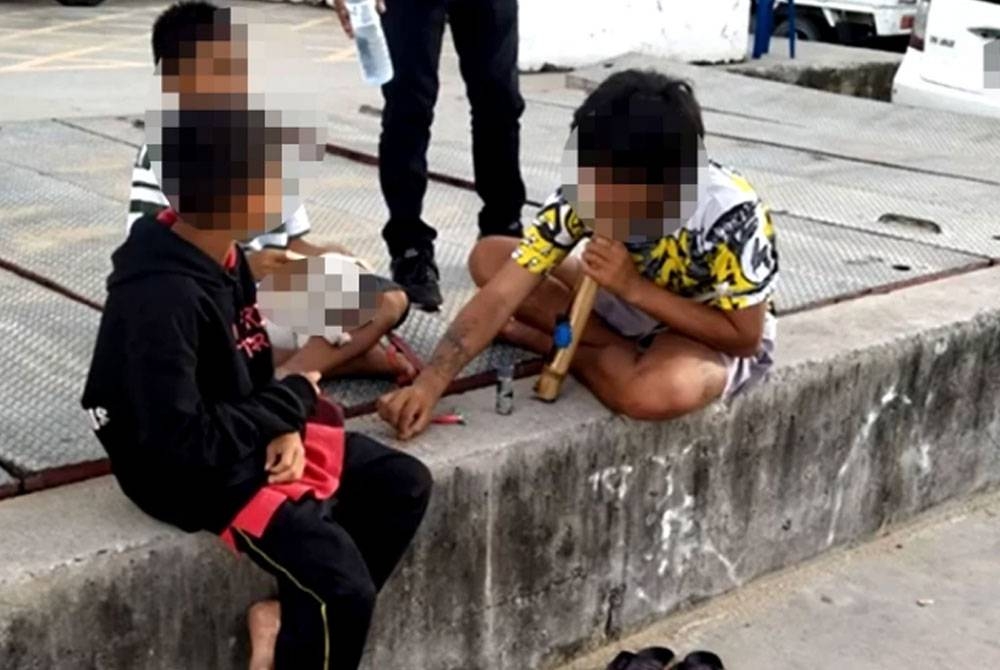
(373, 52)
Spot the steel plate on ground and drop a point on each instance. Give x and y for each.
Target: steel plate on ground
(48, 341)
(71, 156)
(120, 129)
(59, 230)
(8, 485)
(820, 262)
(899, 200)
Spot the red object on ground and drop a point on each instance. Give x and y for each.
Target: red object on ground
(449, 420)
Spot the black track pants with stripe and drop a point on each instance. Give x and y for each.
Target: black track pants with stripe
(331, 557)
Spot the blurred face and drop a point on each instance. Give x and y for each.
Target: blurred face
(622, 209)
(253, 207)
(626, 204)
(210, 67)
(243, 152)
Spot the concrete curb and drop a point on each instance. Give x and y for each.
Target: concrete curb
(567, 526)
(835, 68)
(861, 80)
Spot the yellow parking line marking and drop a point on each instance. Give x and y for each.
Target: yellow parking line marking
(34, 63)
(338, 56)
(101, 62)
(312, 22)
(60, 26)
(111, 66)
(42, 60)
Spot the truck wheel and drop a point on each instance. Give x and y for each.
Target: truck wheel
(805, 29)
(80, 3)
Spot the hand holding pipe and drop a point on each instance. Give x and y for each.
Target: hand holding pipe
(550, 381)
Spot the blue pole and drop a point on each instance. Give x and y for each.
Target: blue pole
(762, 31)
(791, 29)
(768, 24)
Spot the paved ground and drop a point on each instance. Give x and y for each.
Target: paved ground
(61, 62)
(921, 597)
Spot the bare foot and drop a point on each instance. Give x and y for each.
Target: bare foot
(382, 361)
(528, 337)
(264, 621)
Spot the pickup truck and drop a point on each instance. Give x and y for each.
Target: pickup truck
(845, 21)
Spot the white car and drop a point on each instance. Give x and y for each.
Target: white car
(953, 61)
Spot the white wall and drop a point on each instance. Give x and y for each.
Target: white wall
(570, 33)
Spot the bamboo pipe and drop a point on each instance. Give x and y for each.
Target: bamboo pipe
(550, 381)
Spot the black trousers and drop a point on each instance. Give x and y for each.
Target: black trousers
(485, 34)
(331, 557)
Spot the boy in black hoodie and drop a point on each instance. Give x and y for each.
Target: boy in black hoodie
(202, 436)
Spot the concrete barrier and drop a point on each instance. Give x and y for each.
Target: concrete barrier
(568, 33)
(561, 527)
(862, 73)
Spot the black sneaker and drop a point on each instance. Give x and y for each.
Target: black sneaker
(418, 274)
(514, 229)
(651, 658)
(701, 660)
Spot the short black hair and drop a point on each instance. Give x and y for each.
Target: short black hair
(183, 23)
(644, 125)
(210, 157)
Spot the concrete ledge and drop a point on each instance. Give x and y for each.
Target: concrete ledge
(563, 526)
(862, 73)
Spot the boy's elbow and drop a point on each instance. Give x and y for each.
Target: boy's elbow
(745, 345)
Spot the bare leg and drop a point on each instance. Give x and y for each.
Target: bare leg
(379, 361)
(264, 621)
(540, 310)
(675, 376)
(320, 355)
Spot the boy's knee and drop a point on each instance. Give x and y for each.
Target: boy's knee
(671, 397)
(488, 256)
(393, 305)
(419, 482)
(355, 598)
(412, 482)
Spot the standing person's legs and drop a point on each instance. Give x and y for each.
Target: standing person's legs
(485, 33)
(326, 592)
(381, 501)
(413, 30)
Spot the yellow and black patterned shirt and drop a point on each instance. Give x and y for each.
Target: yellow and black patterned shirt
(724, 255)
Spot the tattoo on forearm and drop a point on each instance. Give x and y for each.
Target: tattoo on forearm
(452, 354)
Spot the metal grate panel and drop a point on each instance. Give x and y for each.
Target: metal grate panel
(820, 262)
(72, 156)
(799, 181)
(356, 393)
(8, 485)
(119, 129)
(59, 230)
(49, 341)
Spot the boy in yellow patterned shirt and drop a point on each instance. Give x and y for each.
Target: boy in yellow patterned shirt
(682, 248)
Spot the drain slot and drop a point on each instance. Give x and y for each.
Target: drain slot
(910, 222)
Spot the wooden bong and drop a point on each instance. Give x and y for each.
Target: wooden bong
(569, 330)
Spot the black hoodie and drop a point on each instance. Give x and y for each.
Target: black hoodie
(181, 389)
